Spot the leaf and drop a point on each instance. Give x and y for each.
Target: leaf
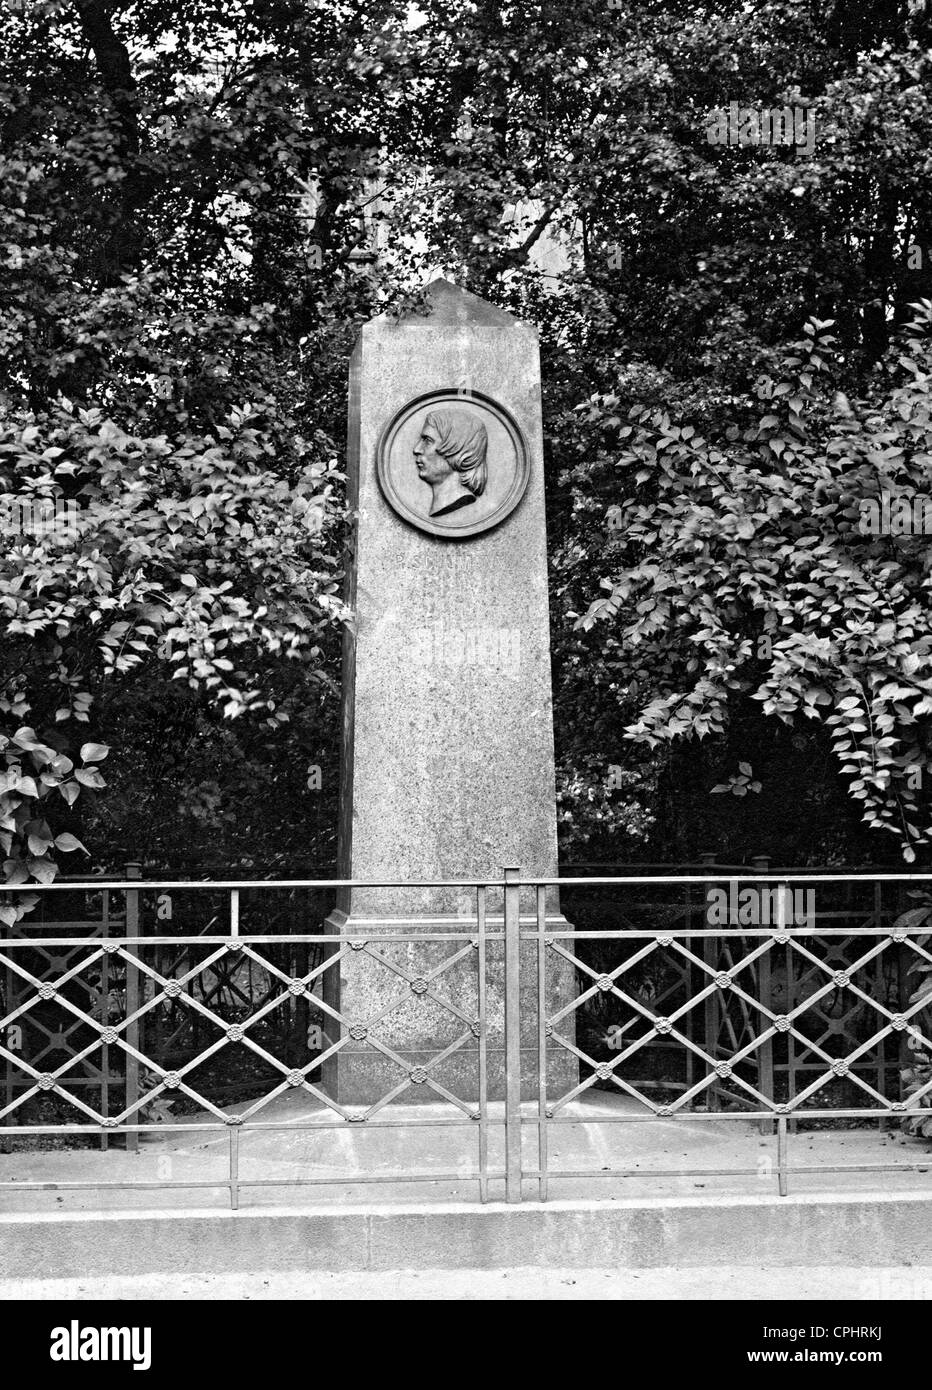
(69, 843)
(42, 869)
(94, 752)
(915, 916)
(89, 777)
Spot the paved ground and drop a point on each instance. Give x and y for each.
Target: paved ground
(515, 1284)
(346, 1159)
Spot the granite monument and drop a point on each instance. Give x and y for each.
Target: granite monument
(447, 755)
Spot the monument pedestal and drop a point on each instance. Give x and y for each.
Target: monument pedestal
(447, 768)
(432, 1041)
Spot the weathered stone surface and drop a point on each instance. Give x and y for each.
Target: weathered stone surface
(448, 735)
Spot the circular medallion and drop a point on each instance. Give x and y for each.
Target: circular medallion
(453, 464)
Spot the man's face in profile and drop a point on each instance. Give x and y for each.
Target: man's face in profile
(450, 458)
(432, 467)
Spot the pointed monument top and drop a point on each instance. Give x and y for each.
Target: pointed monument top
(450, 305)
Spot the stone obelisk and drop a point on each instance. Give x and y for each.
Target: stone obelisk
(447, 757)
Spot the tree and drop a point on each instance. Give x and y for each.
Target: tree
(741, 567)
(181, 226)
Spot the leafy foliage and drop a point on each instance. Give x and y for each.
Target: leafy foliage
(189, 203)
(737, 567)
(147, 383)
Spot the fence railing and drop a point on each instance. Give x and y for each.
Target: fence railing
(671, 1009)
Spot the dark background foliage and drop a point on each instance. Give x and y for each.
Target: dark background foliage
(191, 198)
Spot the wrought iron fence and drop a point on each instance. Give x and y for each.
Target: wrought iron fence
(752, 1021)
(663, 981)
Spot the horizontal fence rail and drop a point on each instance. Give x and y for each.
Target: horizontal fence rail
(172, 1007)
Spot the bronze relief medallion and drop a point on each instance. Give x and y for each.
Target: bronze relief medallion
(453, 463)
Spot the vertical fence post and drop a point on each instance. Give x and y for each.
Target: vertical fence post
(782, 1178)
(512, 1036)
(133, 870)
(105, 1018)
(689, 1060)
(542, 1138)
(481, 903)
(902, 1053)
(6, 1144)
(767, 1084)
(883, 1048)
(234, 1168)
(712, 1007)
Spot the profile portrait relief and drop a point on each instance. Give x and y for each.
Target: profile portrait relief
(450, 457)
(452, 467)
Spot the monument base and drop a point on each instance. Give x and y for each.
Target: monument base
(420, 1001)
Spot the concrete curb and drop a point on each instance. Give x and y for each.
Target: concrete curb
(867, 1229)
